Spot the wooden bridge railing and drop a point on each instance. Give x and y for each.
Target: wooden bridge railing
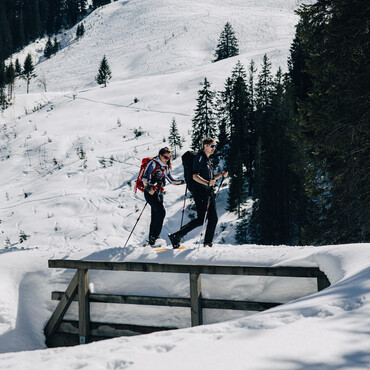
(78, 289)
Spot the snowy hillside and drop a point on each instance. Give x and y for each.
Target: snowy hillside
(159, 53)
(69, 157)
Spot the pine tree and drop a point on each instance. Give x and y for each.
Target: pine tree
(334, 118)
(278, 196)
(104, 73)
(28, 71)
(174, 138)
(264, 86)
(82, 5)
(18, 68)
(301, 82)
(3, 101)
(227, 44)
(16, 24)
(224, 101)
(251, 135)
(49, 49)
(80, 31)
(6, 39)
(10, 79)
(98, 3)
(204, 121)
(32, 20)
(55, 46)
(237, 157)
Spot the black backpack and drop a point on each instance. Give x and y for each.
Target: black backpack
(187, 162)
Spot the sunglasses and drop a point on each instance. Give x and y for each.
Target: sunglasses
(166, 157)
(212, 146)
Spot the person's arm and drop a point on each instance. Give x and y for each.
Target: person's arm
(147, 178)
(201, 180)
(173, 181)
(218, 175)
(197, 167)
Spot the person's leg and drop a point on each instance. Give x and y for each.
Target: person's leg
(212, 222)
(201, 200)
(158, 214)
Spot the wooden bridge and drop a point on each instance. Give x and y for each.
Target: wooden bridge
(61, 332)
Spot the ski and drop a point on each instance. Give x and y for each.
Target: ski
(169, 249)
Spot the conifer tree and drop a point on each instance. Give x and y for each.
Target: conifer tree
(237, 158)
(227, 44)
(2, 86)
(82, 6)
(104, 73)
(174, 139)
(28, 71)
(224, 102)
(10, 79)
(17, 24)
(32, 21)
(264, 86)
(18, 68)
(55, 46)
(80, 31)
(49, 49)
(6, 39)
(252, 135)
(334, 118)
(276, 217)
(204, 121)
(301, 82)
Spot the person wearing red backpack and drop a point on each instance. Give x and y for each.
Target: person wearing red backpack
(154, 179)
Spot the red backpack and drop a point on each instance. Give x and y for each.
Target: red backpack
(139, 181)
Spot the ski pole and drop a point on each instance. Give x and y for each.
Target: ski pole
(218, 190)
(206, 214)
(135, 225)
(183, 207)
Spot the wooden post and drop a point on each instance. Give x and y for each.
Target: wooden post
(196, 300)
(62, 307)
(83, 305)
(322, 282)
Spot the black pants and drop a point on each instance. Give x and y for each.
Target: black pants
(201, 197)
(158, 213)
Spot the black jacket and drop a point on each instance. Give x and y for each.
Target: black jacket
(203, 166)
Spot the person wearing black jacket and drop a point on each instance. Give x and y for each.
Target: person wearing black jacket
(203, 193)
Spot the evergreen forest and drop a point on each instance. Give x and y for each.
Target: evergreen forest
(298, 144)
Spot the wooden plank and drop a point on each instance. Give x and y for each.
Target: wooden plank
(83, 305)
(196, 300)
(174, 302)
(128, 299)
(62, 307)
(67, 333)
(237, 305)
(287, 271)
(110, 330)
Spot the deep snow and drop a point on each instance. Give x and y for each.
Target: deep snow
(159, 52)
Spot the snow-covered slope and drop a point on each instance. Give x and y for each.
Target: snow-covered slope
(325, 330)
(159, 52)
(147, 37)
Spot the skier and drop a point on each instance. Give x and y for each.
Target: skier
(204, 196)
(154, 179)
